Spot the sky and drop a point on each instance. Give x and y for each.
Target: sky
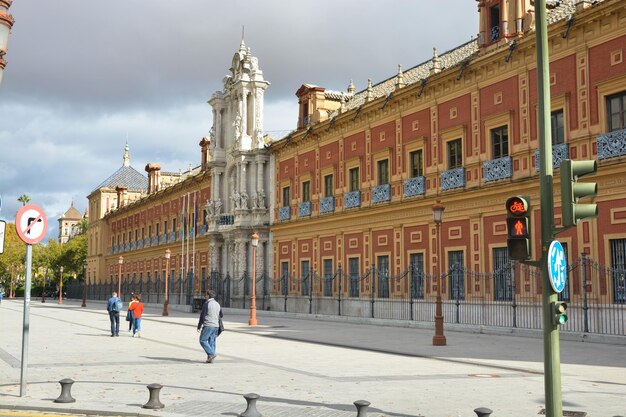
(83, 77)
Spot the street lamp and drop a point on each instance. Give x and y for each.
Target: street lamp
(61, 286)
(438, 339)
(168, 253)
(255, 243)
(120, 261)
(84, 304)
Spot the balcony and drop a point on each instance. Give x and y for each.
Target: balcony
(155, 240)
(140, 244)
(133, 246)
(497, 169)
(203, 229)
(127, 247)
(226, 219)
(560, 153)
(284, 213)
(381, 193)
(164, 238)
(414, 186)
(304, 209)
(327, 204)
(612, 144)
(453, 178)
(172, 236)
(146, 242)
(352, 199)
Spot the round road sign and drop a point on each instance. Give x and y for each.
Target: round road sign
(557, 266)
(31, 224)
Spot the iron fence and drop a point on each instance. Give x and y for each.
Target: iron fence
(509, 297)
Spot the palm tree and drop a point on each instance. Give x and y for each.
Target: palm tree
(24, 199)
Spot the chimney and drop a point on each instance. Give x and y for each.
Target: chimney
(154, 177)
(204, 146)
(121, 195)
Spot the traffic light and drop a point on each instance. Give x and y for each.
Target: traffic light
(559, 313)
(518, 227)
(572, 190)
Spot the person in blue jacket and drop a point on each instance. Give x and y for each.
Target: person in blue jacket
(114, 305)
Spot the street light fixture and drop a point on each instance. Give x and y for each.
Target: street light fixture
(168, 253)
(255, 243)
(438, 339)
(61, 286)
(120, 261)
(84, 304)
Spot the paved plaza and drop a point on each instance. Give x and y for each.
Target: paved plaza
(299, 367)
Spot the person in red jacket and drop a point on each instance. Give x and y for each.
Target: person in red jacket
(137, 309)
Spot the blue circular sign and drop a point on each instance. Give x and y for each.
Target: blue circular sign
(557, 266)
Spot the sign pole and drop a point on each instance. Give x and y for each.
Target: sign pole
(551, 346)
(26, 325)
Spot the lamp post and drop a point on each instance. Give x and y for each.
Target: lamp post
(84, 304)
(168, 253)
(120, 261)
(43, 292)
(61, 286)
(255, 243)
(438, 339)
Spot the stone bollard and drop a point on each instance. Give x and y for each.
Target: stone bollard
(361, 408)
(483, 412)
(251, 410)
(154, 403)
(66, 391)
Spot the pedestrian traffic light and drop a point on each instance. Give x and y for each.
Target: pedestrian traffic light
(572, 190)
(518, 227)
(559, 313)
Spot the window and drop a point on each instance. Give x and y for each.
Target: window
(500, 142)
(286, 197)
(417, 276)
(328, 277)
(353, 270)
(354, 179)
(416, 164)
(306, 277)
(136, 232)
(284, 277)
(502, 275)
(306, 191)
(457, 284)
(143, 235)
(383, 276)
(616, 111)
(328, 186)
(174, 225)
(150, 230)
(165, 227)
(494, 14)
(557, 127)
(455, 154)
(618, 269)
(157, 228)
(112, 241)
(383, 172)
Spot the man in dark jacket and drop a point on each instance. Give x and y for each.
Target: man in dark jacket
(114, 314)
(208, 325)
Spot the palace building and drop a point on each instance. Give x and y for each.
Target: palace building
(357, 181)
(344, 203)
(204, 216)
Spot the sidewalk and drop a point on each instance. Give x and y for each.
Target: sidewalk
(299, 367)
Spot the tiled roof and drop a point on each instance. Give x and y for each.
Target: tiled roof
(72, 214)
(128, 177)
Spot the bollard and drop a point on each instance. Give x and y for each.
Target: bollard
(251, 410)
(361, 408)
(66, 394)
(154, 403)
(483, 412)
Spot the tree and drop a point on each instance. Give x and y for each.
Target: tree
(13, 258)
(24, 198)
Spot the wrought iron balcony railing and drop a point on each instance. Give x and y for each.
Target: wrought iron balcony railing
(304, 209)
(284, 213)
(560, 153)
(327, 204)
(497, 169)
(453, 178)
(414, 186)
(381, 193)
(352, 199)
(612, 144)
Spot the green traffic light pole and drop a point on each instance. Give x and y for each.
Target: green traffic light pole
(551, 345)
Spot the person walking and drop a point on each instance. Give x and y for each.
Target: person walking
(137, 309)
(208, 325)
(129, 314)
(114, 305)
